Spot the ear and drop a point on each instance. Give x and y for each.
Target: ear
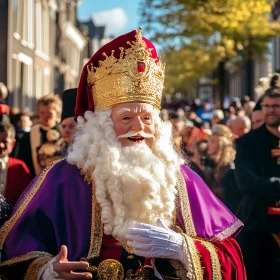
(14, 143)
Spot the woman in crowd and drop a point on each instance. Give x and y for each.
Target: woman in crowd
(220, 157)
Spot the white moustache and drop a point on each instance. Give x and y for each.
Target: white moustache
(132, 133)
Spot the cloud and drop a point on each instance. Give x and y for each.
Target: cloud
(114, 20)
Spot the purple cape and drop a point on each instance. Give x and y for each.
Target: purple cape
(57, 206)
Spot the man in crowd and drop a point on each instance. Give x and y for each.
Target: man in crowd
(239, 126)
(121, 205)
(14, 174)
(22, 124)
(258, 177)
(49, 111)
(68, 123)
(257, 119)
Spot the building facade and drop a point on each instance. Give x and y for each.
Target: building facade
(41, 49)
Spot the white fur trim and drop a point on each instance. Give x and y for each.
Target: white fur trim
(46, 272)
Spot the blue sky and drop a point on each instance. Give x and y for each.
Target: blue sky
(119, 16)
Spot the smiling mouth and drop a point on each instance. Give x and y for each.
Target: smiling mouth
(136, 139)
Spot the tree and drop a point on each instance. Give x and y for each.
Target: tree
(197, 36)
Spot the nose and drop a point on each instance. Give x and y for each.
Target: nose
(138, 125)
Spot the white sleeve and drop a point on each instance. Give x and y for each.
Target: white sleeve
(46, 272)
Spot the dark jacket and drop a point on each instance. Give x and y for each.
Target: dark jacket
(258, 178)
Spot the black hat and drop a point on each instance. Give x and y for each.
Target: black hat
(68, 103)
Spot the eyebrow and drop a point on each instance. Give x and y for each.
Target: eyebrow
(124, 110)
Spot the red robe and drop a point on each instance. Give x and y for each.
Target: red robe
(18, 178)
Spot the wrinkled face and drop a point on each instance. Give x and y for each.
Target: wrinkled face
(47, 115)
(271, 111)
(6, 144)
(213, 145)
(68, 129)
(257, 119)
(134, 123)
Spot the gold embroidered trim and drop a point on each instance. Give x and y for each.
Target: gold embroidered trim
(185, 206)
(87, 176)
(227, 232)
(96, 227)
(34, 268)
(276, 237)
(214, 258)
(6, 228)
(26, 257)
(194, 257)
(194, 271)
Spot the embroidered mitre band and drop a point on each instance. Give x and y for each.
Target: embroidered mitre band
(134, 76)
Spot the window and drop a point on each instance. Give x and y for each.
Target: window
(42, 30)
(28, 23)
(16, 7)
(38, 26)
(46, 31)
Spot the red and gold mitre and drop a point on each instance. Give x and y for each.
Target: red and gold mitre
(127, 69)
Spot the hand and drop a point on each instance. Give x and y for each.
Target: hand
(65, 269)
(156, 242)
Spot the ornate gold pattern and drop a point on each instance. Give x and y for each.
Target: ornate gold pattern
(110, 270)
(26, 257)
(185, 206)
(6, 228)
(215, 262)
(227, 232)
(194, 271)
(87, 176)
(34, 268)
(135, 76)
(96, 227)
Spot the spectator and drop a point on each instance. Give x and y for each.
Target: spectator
(221, 154)
(199, 151)
(218, 117)
(258, 177)
(236, 104)
(248, 108)
(68, 123)
(245, 99)
(49, 110)
(257, 119)
(239, 126)
(22, 124)
(14, 174)
(205, 112)
(229, 114)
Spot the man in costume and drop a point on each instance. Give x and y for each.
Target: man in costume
(122, 205)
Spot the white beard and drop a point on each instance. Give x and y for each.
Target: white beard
(140, 190)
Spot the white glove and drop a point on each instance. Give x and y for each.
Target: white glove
(156, 242)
